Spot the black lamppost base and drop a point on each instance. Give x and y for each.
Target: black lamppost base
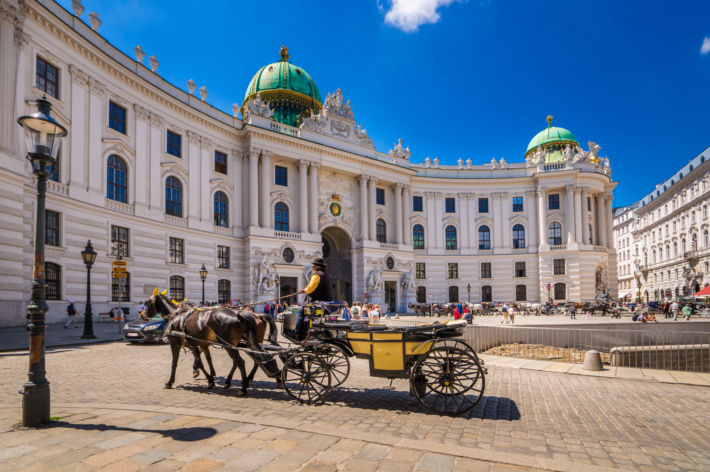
(88, 336)
(35, 404)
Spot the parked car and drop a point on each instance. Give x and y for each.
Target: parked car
(141, 331)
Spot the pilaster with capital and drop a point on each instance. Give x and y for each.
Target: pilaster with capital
(237, 162)
(96, 124)
(430, 240)
(569, 213)
(372, 213)
(578, 215)
(541, 215)
(266, 189)
(195, 204)
(498, 220)
(465, 219)
(609, 197)
(253, 187)
(601, 219)
(472, 205)
(531, 209)
(77, 136)
(314, 197)
(206, 150)
(303, 196)
(397, 188)
(439, 209)
(585, 216)
(155, 130)
(406, 202)
(362, 180)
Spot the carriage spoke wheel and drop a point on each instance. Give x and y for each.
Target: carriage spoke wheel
(306, 377)
(336, 361)
(448, 380)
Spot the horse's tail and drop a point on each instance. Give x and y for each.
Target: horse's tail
(264, 359)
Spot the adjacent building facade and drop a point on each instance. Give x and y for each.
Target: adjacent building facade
(156, 173)
(663, 240)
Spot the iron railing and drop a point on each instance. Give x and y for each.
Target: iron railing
(648, 349)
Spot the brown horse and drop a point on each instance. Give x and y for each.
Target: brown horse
(196, 328)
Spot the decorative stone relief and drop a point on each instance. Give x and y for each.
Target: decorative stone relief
(265, 275)
(399, 151)
(191, 86)
(206, 143)
(156, 120)
(337, 120)
(257, 107)
(375, 284)
(97, 87)
(140, 54)
(77, 75)
(407, 281)
(94, 21)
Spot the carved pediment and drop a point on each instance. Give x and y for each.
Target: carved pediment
(336, 120)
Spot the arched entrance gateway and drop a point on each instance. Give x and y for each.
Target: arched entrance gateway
(337, 252)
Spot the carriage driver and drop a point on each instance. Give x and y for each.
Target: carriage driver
(317, 290)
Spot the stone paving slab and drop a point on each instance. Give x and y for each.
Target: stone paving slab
(18, 339)
(526, 417)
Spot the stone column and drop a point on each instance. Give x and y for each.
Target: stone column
(314, 197)
(362, 180)
(407, 206)
(303, 196)
(79, 163)
(465, 220)
(253, 187)
(194, 184)
(430, 240)
(17, 143)
(497, 220)
(157, 192)
(372, 213)
(265, 189)
(439, 211)
(8, 79)
(542, 221)
(532, 230)
(578, 215)
(96, 123)
(609, 220)
(237, 195)
(569, 213)
(205, 195)
(397, 188)
(506, 206)
(472, 204)
(601, 219)
(585, 216)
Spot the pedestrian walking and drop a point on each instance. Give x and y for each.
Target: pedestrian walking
(71, 313)
(511, 313)
(572, 313)
(687, 311)
(506, 315)
(675, 309)
(346, 312)
(355, 311)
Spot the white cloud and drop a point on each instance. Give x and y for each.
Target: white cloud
(408, 15)
(705, 48)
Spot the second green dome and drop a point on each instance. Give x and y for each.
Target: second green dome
(552, 134)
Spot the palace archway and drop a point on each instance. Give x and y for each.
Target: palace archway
(337, 252)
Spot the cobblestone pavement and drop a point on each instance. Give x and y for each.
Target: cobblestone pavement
(530, 418)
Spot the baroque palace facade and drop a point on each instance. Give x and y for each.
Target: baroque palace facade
(663, 240)
(157, 173)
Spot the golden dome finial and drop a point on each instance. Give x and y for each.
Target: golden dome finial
(549, 121)
(284, 53)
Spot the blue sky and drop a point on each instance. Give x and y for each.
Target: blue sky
(459, 78)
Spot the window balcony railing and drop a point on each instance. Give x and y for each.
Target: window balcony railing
(389, 247)
(120, 206)
(287, 235)
(559, 247)
(175, 220)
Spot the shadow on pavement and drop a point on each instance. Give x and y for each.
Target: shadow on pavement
(178, 434)
(399, 401)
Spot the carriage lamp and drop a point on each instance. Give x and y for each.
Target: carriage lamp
(89, 257)
(203, 276)
(278, 287)
(43, 136)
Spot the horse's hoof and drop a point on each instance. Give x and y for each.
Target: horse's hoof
(195, 374)
(227, 385)
(241, 393)
(168, 385)
(210, 385)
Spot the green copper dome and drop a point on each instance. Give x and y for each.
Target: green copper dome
(287, 88)
(550, 135)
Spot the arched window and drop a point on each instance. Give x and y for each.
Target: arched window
(221, 210)
(675, 249)
(554, 234)
(451, 242)
(224, 291)
(518, 237)
(418, 237)
(591, 234)
(421, 294)
(281, 217)
(177, 287)
(116, 179)
(173, 197)
(486, 293)
(484, 237)
(453, 294)
(521, 293)
(381, 230)
(560, 291)
(682, 246)
(53, 279)
(660, 253)
(706, 239)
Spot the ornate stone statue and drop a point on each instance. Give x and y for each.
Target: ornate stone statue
(258, 107)
(265, 276)
(407, 282)
(399, 151)
(594, 149)
(567, 154)
(307, 272)
(374, 281)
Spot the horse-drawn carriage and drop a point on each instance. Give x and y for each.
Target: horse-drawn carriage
(444, 373)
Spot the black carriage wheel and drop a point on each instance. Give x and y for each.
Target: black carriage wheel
(306, 377)
(336, 359)
(448, 380)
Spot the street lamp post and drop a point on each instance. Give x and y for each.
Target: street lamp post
(89, 257)
(43, 136)
(203, 276)
(468, 287)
